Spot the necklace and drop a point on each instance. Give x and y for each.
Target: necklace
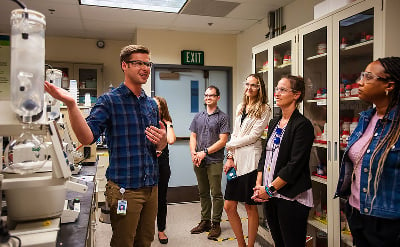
(276, 143)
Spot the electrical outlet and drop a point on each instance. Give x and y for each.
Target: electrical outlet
(86, 152)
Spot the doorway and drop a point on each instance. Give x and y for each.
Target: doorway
(183, 87)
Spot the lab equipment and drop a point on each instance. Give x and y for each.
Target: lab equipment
(27, 63)
(53, 106)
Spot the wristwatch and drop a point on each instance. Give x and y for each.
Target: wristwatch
(271, 188)
(205, 151)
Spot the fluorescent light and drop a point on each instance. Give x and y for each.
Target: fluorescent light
(171, 6)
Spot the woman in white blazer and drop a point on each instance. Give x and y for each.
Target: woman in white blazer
(244, 151)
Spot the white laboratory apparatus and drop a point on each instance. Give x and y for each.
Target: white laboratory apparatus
(37, 172)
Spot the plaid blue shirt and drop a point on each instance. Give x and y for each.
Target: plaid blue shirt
(124, 117)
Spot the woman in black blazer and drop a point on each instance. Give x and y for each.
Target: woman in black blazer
(283, 180)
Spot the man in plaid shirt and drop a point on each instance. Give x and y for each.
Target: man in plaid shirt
(130, 120)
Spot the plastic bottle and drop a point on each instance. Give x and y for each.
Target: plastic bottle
(65, 81)
(346, 124)
(353, 124)
(347, 91)
(323, 135)
(319, 93)
(53, 106)
(345, 137)
(77, 205)
(354, 89)
(342, 92)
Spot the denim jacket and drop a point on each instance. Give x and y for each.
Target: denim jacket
(387, 201)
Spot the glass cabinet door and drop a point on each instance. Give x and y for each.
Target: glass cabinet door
(89, 78)
(261, 67)
(282, 62)
(314, 64)
(355, 46)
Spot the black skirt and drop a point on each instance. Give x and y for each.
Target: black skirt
(240, 189)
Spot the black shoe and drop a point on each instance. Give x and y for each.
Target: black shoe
(203, 226)
(215, 231)
(164, 240)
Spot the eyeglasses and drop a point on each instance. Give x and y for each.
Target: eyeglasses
(283, 90)
(251, 85)
(140, 63)
(278, 134)
(210, 95)
(370, 76)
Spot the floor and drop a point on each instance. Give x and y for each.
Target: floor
(181, 218)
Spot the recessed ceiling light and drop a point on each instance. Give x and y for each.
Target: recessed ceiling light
(171, 6)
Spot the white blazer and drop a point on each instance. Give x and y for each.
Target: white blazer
(245, 142)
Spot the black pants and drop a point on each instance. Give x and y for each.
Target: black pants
(165, 173)
(287, 221)
(372, 231)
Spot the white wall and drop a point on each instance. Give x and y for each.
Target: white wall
(63, 49)
(166, 46)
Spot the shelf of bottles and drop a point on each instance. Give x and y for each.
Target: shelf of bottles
(282, 65)
(315, 108)
(355, 53)
(87, 84)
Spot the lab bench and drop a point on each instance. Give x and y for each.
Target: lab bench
(82, 231)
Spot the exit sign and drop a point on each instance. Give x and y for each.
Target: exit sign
(192, 57)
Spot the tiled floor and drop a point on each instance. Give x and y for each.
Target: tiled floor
(181, 218)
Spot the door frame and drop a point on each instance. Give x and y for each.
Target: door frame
(195, 67)
(190, 193)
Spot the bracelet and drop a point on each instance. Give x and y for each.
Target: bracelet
(268, 191)
(229, 155)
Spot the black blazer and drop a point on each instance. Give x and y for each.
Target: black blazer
(292, 164)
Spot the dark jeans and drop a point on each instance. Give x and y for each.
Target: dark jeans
(165, 174)
(287, 221)
(372, 231)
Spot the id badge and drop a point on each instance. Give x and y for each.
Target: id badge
(122, 205)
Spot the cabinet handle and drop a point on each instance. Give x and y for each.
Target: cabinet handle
(335, 154)
(329, 150)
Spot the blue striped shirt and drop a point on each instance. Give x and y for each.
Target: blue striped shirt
(124, 117)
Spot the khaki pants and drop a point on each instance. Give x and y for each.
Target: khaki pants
(136, 228)
(209, 179)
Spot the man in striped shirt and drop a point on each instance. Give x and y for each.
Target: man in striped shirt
(130, 120)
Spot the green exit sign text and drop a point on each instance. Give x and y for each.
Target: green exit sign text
(192, 57)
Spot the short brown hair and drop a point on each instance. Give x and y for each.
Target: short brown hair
(297, 84)
(128, 50)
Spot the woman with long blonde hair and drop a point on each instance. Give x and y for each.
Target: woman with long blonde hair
(370, 170)
(244, 151)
